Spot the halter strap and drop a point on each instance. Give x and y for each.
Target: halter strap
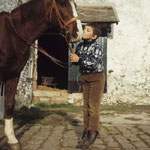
(71, 21)
(62, 23)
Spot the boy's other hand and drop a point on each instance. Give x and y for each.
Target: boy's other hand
(74, 57)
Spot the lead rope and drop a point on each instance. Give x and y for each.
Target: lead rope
(56, 61)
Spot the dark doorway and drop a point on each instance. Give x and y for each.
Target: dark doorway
(56, 46)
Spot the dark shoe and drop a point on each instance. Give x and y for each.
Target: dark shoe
(92, 135)
(82, 140)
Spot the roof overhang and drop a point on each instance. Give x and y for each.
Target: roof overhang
(103, 14)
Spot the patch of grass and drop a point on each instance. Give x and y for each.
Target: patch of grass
(67, 107)
(61, 105)
(26, 115)
(42, 105)
(29, 115)
(125, 108)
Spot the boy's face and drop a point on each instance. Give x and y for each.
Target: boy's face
(88, 33)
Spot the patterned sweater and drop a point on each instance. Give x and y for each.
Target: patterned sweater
(90, 54)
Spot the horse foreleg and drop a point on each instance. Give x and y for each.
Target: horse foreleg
(10, 90)
(9, 131)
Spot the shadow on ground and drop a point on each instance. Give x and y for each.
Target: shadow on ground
(26, 118)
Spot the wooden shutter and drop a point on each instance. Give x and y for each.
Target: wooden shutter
(74, 83)
(103, 42)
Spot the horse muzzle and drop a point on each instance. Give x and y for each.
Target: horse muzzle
(74, 40)
(69, 38)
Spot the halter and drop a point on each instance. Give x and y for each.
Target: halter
(62, 23)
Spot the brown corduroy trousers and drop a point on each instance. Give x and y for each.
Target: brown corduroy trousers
(93, 87)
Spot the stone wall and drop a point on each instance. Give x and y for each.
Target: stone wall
(128, 52)
(25, 87)
(7, 5)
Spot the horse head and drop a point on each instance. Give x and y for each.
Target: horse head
(63, 14)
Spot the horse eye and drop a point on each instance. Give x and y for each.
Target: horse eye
(61, 2)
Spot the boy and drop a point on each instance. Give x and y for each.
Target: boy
(89, 58)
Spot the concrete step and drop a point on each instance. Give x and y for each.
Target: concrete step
(49, 95)
(51, 100)
(53, 95)
(45, 93)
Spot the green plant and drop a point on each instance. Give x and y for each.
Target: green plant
(26, 115)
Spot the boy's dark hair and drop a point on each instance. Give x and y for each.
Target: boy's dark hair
(96, 28)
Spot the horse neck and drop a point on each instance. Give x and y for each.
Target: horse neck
(30, 28)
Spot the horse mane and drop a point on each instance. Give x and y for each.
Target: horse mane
(31, 9)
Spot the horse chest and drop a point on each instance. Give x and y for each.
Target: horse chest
(12, 66)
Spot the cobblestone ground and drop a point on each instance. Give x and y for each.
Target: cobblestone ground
(114, 136)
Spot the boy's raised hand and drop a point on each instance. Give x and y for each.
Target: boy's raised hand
(74, 57)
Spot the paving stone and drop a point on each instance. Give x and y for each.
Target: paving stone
(99, 141)
(132, 138)
(143, 149)
(113, 149)
(113, 144)
(31, 147)
(140, 145)
(35, 142)
(69, 148)
(108, 138)
(144, 137)
(70, 141)
(65, 137)
(128, 146)
(147, 141)
(100, 147)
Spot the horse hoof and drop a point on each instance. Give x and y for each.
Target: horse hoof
(15, 146)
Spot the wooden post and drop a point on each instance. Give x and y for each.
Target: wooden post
(35, 69)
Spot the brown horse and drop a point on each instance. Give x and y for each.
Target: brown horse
(18, 30)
